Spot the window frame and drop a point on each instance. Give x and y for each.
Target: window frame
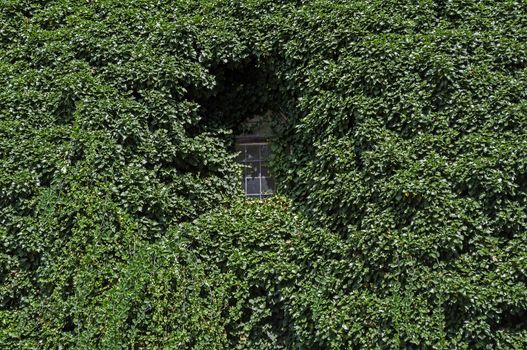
(240, 143)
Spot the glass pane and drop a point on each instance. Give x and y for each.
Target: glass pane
(252, 152)
(264, 171)
(267, 185)
(252, 169)
(253, 185)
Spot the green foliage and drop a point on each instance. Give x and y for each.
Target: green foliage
(402, 135)
(409, 140)
(227, 280)
(102, 148)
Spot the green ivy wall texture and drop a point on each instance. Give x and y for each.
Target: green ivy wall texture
(400, 153)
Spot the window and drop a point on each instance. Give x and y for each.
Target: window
(256, 182)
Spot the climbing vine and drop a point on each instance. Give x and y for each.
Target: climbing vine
(400, 142)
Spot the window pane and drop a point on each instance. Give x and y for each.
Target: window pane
(252, 169)
(253, 185)
(264, 171)
(267, 185)
(252, 152)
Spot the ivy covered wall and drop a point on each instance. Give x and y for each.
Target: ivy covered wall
(401, 142)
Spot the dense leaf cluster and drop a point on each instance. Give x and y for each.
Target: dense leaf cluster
(102, 148)
(228, 280)
(401, 131)
(411, 143)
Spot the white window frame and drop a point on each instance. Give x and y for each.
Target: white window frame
(240, 145)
